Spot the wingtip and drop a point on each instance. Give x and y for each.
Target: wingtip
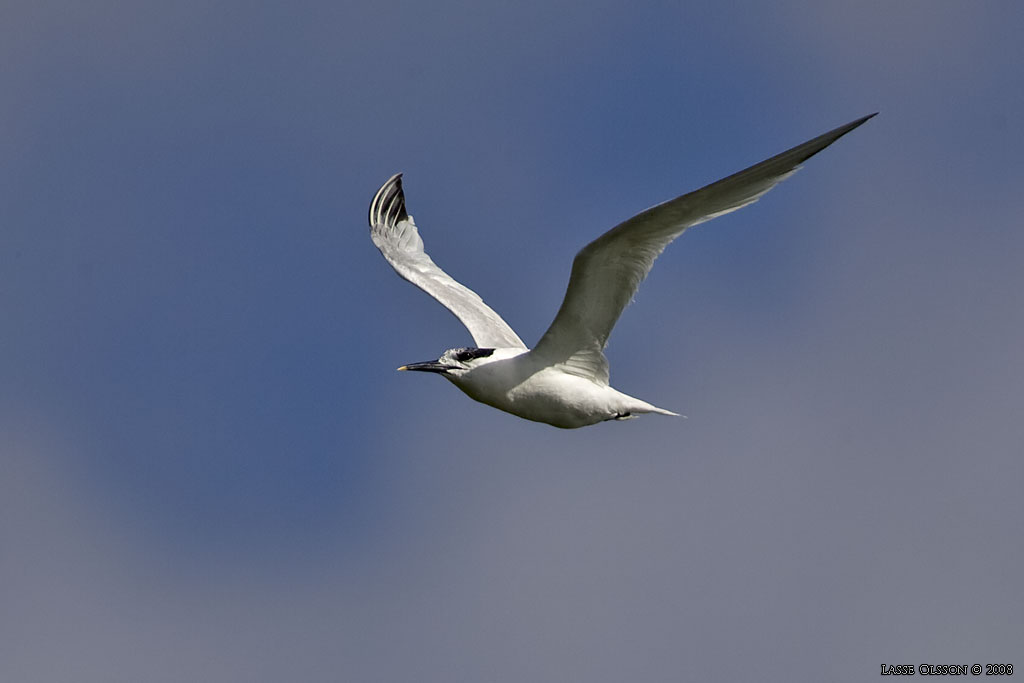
(802, 153)
(388, 205)
(864, 119)
(856, 123)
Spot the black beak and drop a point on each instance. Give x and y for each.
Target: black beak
(429, 366)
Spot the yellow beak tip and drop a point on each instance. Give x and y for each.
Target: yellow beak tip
(404, 367)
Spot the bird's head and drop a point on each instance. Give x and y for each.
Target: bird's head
(454, 363)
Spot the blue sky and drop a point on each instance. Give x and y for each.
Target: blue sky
(213, 472)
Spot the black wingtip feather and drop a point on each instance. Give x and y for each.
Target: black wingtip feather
(388, 205)
(819, 143)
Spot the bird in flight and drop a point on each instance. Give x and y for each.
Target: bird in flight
(563, 380)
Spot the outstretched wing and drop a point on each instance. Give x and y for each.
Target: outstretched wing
(607, 272)
(395, 234)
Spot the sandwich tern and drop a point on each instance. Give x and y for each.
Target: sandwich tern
(563, 380)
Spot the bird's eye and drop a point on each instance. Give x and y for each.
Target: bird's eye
(464, 355)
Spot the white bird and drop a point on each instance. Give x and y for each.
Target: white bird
(563, 380)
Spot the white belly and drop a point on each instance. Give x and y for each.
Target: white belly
(553, 397)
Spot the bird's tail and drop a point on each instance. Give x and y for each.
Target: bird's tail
(640, 407)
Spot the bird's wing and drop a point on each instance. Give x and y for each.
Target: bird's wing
(395, 234)
(607, 272)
